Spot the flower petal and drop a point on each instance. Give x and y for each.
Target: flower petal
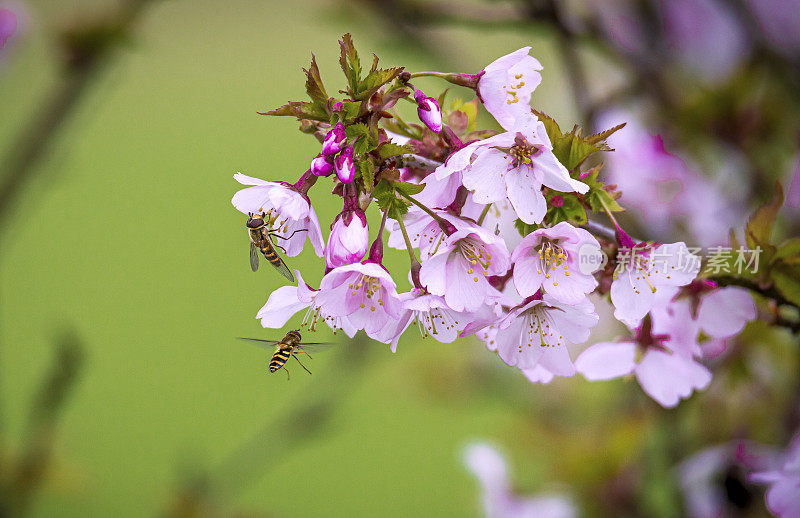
(607, 360)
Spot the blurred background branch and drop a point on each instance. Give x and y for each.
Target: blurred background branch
(21, 478)
(86, 49)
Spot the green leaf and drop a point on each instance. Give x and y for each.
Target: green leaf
(598, 192)
(388, 150)
(351, 64)
(350, 110)
(571, 210)
(374, 80)
(789, 251)
(600, 138)
(553, 131)
(355, 131)
(299, 109)
(786, 279)
(409, 188)
(314, 87)
(759, 226)
(572, 150)
(524, 228)
(384, 194)
(366, 169)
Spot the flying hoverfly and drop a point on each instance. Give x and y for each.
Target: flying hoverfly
(261, 241)
(290, 345)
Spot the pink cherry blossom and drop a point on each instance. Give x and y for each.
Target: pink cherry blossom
(548, 258)
(459, 264)
(720, 313)
(513, 165)
(431, 315)
(428, 111)
(665, 376)
(644, 269)
(286, 301)
(361, 294)
(295, 218)
(489, 467)
(783, 494)
(506, 86)
(537, 333)
(349, 238)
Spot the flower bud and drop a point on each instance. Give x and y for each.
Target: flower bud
(348, 240)
(345, 168)
(428, 111)
(334, 140)
(321, 166)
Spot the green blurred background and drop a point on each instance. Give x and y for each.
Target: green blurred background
(126, 236)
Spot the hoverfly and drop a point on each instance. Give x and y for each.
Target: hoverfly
(290, 345)
(261, 241)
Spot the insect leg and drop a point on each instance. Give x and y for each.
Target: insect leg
(301, 364)
(273, 234)
(287, 373)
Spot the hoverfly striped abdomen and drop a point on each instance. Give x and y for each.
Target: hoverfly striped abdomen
(279, 359)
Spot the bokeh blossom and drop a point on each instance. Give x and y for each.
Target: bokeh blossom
(783, 494)
(499, 501)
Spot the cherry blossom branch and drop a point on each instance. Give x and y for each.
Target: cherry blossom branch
(770, 292)
(601, 230)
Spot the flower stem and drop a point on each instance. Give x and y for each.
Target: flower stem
(415, 265)
(376, 250)
(484, 213)
(446, 227)
(441, 75)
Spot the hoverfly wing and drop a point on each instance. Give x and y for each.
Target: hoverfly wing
(258, 342)
(253, 256)
(283, 269)
(314, 347)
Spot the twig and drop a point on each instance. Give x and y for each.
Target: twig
(85, 60)
(32, 467)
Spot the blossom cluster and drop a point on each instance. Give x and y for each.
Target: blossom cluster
(495, 227)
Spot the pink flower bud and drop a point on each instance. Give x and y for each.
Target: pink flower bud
(557, 200)
(334, 140)
(321, 166)
(348, 240)
(345, 168)
(428, 111)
